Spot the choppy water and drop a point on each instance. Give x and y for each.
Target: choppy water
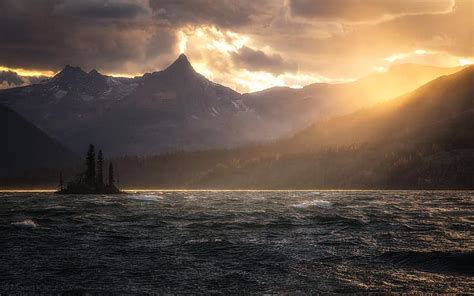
(361, 241)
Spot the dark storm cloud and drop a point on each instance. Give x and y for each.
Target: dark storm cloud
(336, 38)
(112, 35)
(222, 13)
(43, 35)
(11, 78)
(104, 9)
(366, 10)
(257, 60)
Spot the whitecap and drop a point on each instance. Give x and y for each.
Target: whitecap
(147, 197)
(202, 241)
(26, 223)
(321, 203)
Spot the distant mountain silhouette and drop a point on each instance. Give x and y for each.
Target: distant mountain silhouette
(25, 147)
(179, 109)
(174, 109)
(290, 110)
(430, 110)
(423, 139)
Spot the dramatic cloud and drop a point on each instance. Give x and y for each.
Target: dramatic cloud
(245, 44)
(10, 79)
(223, 13)
(42, 35)
(104, 9)
(366, 10)
(257, 60)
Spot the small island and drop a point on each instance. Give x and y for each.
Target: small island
(92, 180)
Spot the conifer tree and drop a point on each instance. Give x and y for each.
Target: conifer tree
(100, 169)
(61, 181)
(90, 166)
(111, 175)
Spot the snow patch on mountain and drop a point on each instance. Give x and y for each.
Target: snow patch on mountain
(60, 94)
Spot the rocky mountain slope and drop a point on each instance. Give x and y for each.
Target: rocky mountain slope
(290, 110)
(179, 109)
(174, 109)
(25, 147)
(422, 140)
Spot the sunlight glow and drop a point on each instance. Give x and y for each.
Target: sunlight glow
(128, 75)
(402, 56)
(183, 41)
(28, 72)
(379, 69)
(210, 51)
(223, 41)
(247, 81)
(210, 38)
(420, 51)
(426, 57)
(203, 70)
(465, 61)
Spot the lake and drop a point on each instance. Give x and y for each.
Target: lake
(237, 242)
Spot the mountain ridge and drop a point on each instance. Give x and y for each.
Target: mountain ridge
(371, 148)
(420, 140)
(173, 109)
(26, 147)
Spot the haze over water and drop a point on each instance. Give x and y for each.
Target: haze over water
(286, 241)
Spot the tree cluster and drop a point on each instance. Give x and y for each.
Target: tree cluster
(91, 181)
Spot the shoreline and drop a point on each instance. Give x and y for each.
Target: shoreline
(131, 191)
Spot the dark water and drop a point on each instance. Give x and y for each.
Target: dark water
(237, 242)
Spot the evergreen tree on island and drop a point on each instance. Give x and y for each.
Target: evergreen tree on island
(100, 170)
(91, 181)
(60, 187)
(111, 175)
(90, 166)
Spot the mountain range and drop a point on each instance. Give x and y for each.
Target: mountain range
(352, 135)
(293, 109)
(179, 109)
(420, 140)
(24, 146)
(174, 109)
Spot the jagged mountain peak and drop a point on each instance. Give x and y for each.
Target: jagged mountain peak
(182, 58)
(69, 74)
(181, 65)
(94, 72)
(77, 80)
(68, 69)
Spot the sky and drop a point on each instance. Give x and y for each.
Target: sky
(248, 45)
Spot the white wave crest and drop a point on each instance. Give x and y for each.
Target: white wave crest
(314, 203)
(147, 197)
(26, 223)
